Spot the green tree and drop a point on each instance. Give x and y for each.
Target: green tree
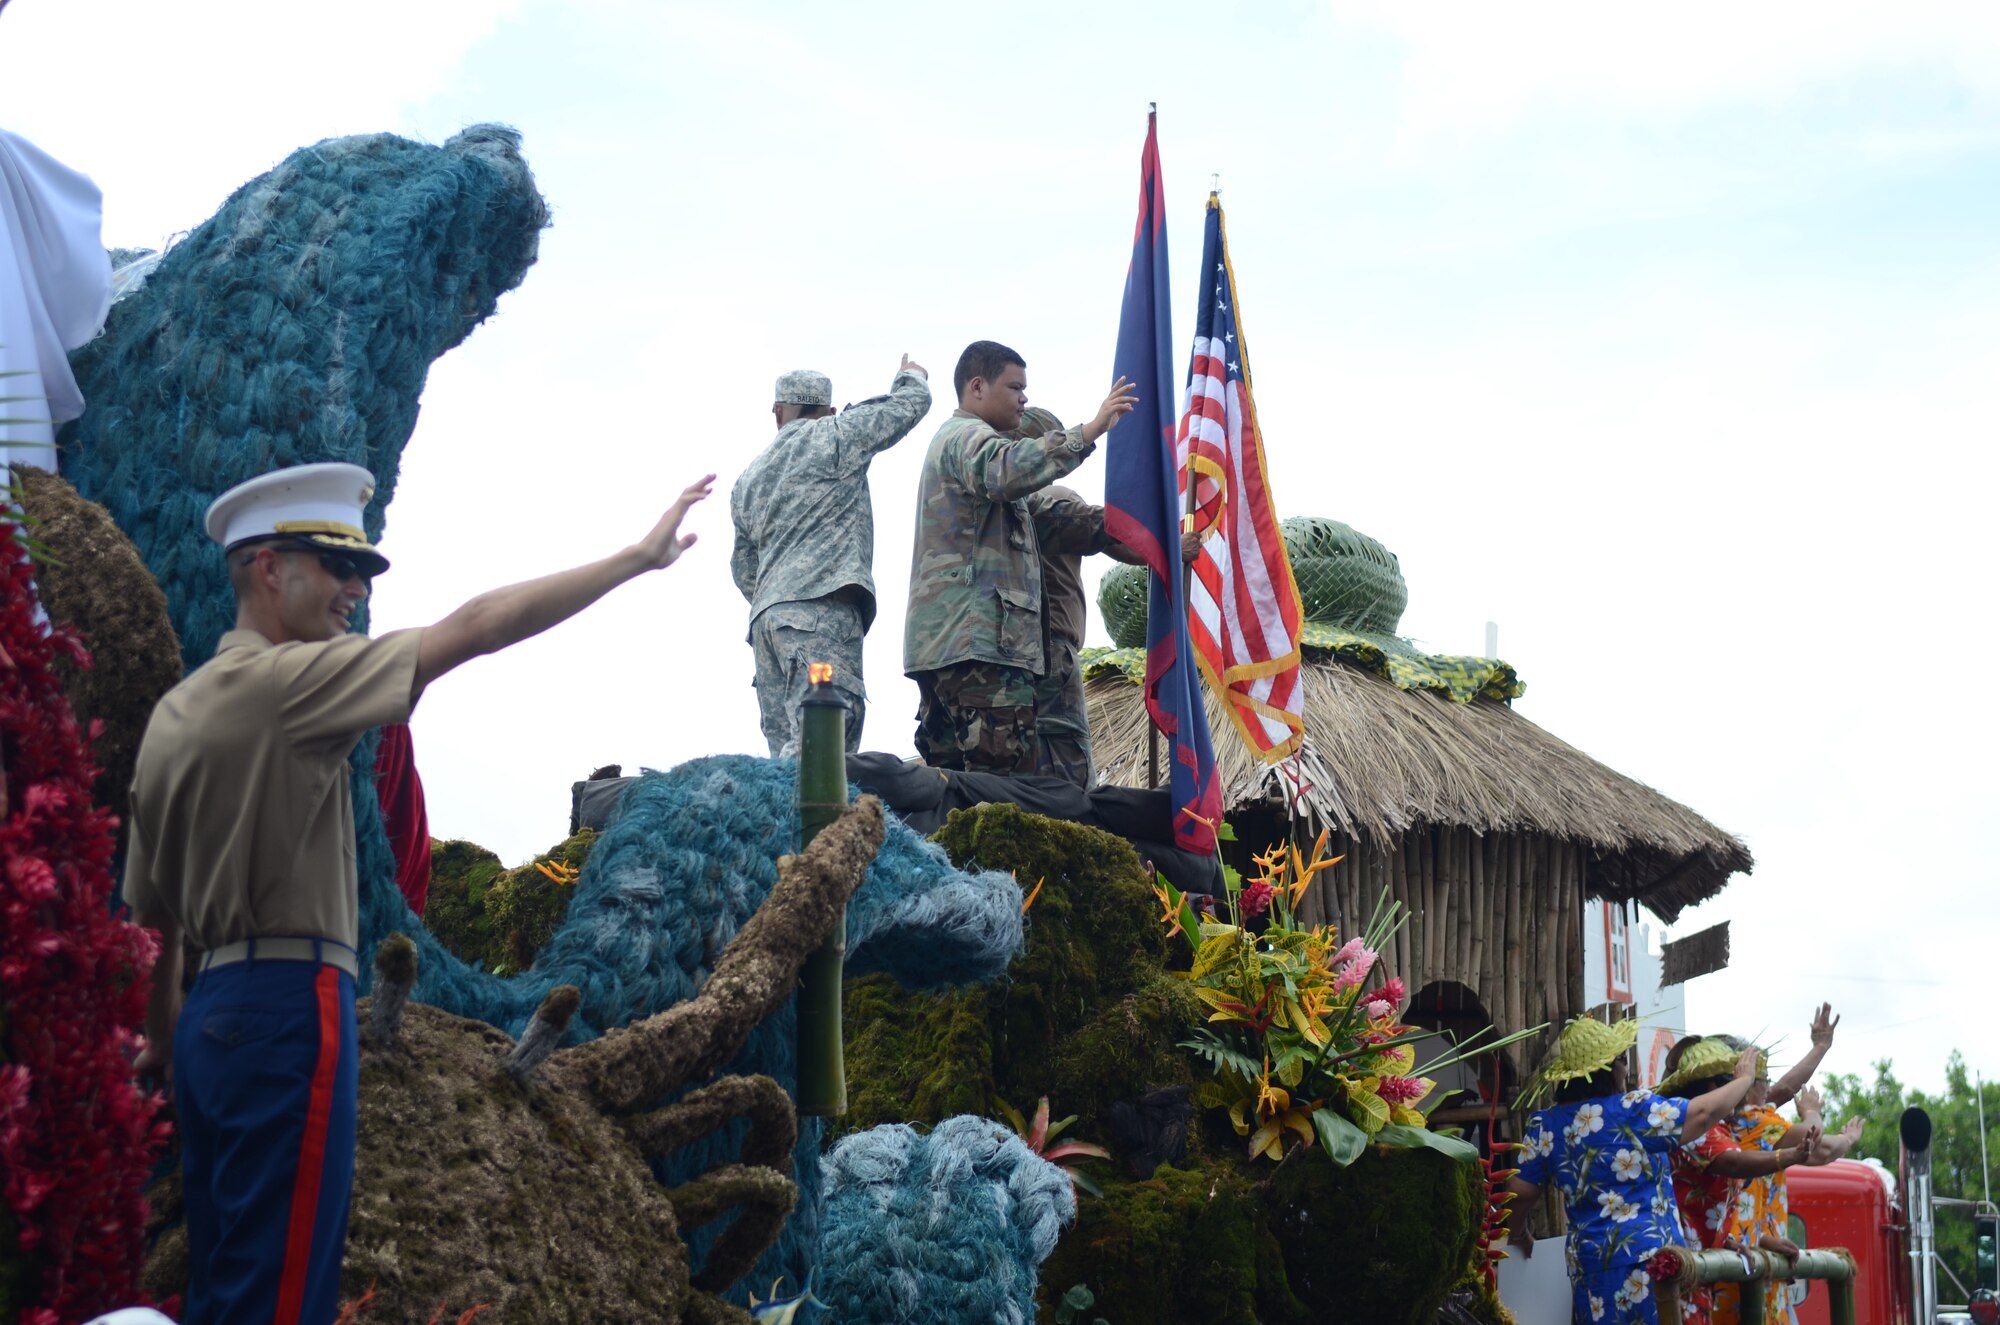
(1957, 1163)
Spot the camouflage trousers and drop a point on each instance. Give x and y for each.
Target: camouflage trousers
(787, 637)
(977, 717)
(1061, 728)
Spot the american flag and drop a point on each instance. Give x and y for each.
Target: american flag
(1243, 606)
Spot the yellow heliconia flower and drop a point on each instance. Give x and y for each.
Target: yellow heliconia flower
(1269, 1139)
(1271, 1099)
(1303, 870)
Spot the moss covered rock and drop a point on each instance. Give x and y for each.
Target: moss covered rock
(1394, 1230)
(455, 908)
(1184, 1245)
(93, 580)
(1090, 1016)
(473, 1188)
(487, 913)
(1383, 1240)
(1087, 1014)
(568, 1223)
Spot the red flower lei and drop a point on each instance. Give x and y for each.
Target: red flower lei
(77, 1136)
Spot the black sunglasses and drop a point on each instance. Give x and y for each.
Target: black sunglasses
(344, 568)
(337, 564)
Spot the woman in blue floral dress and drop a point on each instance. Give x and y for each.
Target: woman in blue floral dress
(1606, 1149)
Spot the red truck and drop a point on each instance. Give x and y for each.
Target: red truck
(1845, 1204)
(1886, 1222)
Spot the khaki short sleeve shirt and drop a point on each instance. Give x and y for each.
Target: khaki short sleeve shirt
(242, 822)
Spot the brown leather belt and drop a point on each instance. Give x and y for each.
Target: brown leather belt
(327, 952)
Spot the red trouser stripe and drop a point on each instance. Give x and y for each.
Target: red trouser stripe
(312, 1152)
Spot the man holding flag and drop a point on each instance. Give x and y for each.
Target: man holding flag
(1142, 511)
(972, 640)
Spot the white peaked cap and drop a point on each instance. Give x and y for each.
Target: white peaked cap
(320, 504)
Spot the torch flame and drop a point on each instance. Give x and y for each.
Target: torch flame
(819, 673)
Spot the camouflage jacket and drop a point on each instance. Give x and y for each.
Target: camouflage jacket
(1068, 529)
(976, 571)
(804, 525)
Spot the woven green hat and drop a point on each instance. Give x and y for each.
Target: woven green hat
(1763, 1056)
(1586, 1047)
(1703, 1060)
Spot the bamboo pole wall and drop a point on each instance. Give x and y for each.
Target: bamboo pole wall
(1500, 914)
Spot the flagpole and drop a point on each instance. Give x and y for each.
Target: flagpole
(1187, 570)
(1187, 578)
(1152, 727)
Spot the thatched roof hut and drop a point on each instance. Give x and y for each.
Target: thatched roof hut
(1490, 830)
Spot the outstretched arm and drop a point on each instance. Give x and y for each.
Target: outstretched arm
(1009, 468)
(1705, 1110)
(874, 426)
(502, 617)
(1759, 1163)
(1836, 1146)
(1788, 1085)
(1809, 1123)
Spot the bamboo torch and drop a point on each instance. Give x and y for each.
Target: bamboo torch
(822, 797)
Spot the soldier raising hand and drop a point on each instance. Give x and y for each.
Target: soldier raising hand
(973, 638)
(805, 541)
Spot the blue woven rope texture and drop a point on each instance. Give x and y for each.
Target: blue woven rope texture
(937, 1229)
(297, 324)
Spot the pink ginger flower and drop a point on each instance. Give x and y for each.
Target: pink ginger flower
(1392, 993)
(1400, 1090)
(1351, 965)
(1376, 1009)
(1256, 899)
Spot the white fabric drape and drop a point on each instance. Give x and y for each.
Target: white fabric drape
(55, 288)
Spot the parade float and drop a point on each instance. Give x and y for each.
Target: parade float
(1065, 1082)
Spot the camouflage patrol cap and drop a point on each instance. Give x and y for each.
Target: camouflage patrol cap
(1036, 422)
(802, 386)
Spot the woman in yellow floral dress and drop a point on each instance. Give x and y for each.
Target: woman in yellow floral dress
(1708, 1169)
(1760, 1217)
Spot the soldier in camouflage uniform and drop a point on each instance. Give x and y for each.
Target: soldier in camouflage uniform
(972, 640)
(1067, 529)
(805, 542)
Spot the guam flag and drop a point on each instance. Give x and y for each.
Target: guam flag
(1142, 511)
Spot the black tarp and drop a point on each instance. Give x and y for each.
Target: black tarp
(923, 797)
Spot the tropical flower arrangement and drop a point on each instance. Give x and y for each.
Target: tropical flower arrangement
(1301, 1049)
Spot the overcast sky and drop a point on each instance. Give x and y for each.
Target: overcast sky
(1666, 337)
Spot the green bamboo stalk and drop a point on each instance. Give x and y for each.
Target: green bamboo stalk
(822, 797)
(1833, 1264)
